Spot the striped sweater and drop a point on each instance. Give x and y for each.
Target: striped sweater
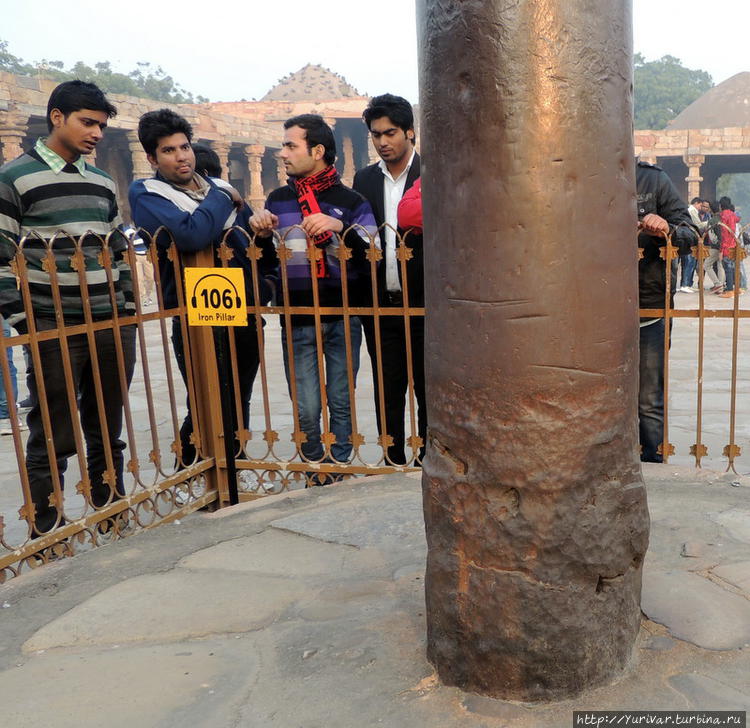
(36, 201)
(352, 209)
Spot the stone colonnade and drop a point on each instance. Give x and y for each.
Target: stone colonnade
(695, 159)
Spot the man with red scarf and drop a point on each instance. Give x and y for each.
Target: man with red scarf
(316, 214)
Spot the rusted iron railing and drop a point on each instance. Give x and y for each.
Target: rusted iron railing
(703, 432)
(163, 480)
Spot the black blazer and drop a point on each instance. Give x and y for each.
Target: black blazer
(369, 182)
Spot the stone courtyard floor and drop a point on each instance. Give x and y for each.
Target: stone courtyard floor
(306, 609)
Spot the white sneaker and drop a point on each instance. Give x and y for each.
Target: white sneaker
(7, 429)
(686, 289)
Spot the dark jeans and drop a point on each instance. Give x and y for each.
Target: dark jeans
(248, 361)
(651, 391)
(689, 264)
(729, 271)
(37, 461)
(395, 379)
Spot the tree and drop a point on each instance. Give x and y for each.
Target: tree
(663, 89)
(736, 187)
(144, 81)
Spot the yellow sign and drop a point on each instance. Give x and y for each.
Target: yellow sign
(215, 297)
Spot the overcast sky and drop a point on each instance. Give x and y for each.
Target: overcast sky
(239, 49)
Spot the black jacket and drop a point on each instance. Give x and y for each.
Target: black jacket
(369, 182)
(657, 194)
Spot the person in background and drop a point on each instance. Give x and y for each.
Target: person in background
(661, 212)
(143, 266)
(712, 265)
(729, 231)
(5, 427)
(410, 208)
(688, 263)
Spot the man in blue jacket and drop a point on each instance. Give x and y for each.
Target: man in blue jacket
(198, 211)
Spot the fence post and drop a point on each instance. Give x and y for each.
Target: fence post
(207, 413)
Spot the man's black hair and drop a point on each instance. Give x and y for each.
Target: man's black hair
(207, 161)
(396, 108)
(155, 125)
(72, 96)
(714, 205)
(316, 132)
(725, 203)
(696, 199)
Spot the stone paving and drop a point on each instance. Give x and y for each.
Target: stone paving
(307, 609)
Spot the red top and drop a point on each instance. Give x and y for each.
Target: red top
(410, 207)
(728, 241)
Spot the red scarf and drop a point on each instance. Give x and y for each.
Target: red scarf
(307, 189)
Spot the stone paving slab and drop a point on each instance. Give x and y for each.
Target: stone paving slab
(169, 607)
(307, 610)
(696, 609)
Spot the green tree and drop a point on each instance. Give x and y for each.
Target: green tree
(144, 81)
(663, 88)
(736, 187)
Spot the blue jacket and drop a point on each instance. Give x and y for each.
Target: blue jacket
(197, 230)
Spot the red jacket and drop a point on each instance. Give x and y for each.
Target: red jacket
(728, 241)
(410, 208)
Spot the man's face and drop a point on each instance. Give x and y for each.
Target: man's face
(174, 159)
(298, 159)
(80, 131)
(705, 207)
(391, 142)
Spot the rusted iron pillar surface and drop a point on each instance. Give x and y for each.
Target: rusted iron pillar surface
(534, 503)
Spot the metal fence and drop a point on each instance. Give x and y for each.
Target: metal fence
(171, 468)
(704, 389)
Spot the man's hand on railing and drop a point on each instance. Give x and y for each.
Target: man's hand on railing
(318, 224)
(263, 223)
(654, 225)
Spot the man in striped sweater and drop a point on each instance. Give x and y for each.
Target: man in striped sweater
(51, 192)
(315, 210)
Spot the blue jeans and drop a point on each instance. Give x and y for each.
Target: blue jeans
(651, 391)
(4, 412)
(309, 407)
(729, 267)
(689, 264)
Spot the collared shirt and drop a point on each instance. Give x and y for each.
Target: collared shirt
(393, 191)
(54, 161)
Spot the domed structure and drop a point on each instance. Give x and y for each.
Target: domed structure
(725, 105)
(311, 83)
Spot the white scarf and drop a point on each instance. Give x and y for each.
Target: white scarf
(188, 200)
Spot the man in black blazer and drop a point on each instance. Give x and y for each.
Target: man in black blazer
(390, 120)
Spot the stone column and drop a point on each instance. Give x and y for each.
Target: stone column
(693, 162)
(222, 149)
(535, 508)
(348, 150)
(12, 132)
(256, 195)
(141, 166)
(281, 174)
